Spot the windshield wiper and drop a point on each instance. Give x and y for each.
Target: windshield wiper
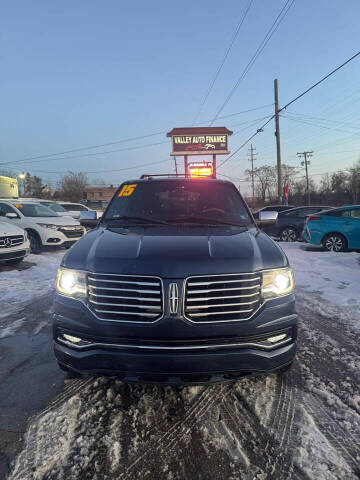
(207, 221)
(135, 219)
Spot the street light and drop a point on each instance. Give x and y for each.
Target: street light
(22, 177)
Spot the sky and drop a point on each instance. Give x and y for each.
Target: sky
(86, 73)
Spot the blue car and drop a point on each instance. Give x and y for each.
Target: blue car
(336, 230)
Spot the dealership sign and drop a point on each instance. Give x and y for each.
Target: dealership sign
(199, 140)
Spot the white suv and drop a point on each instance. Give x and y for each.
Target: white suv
(14, 244)
(44, 227)
(76, 208)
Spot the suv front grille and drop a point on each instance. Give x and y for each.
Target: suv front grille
(71, 232)
(220, 298)
(125, 297)
(11, 241)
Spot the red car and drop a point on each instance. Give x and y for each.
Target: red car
(194, 147)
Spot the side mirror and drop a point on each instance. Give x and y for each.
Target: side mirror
(267, 218)
(11, 215)
(88, 215)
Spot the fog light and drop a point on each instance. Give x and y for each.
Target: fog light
(75, 341)
(72, 339)
(277, 338)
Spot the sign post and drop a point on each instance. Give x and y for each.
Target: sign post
(199, 141)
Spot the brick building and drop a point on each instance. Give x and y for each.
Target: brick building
(100, 193)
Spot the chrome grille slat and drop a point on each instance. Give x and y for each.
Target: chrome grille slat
(124, 281)
(133, 303)
(152, 315)
(220, 313)
(148, 307)
(222, 298)
(223, 289)
(205, 299)
(122, 289)
(126, 298)
(192, 284)
(195, 307)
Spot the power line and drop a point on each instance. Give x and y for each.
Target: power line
(260, 129)
(217, 73)
(258, 52)
(320, 81)
(87, 154)
(44, 157)
(112, 170)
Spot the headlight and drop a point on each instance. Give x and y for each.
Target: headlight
(48, 225)
(26, 237)
(276, 283)
(71, 283)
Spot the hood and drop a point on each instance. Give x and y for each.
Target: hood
(66, 214)
(59, 220)
(9, 229)
(175, 253)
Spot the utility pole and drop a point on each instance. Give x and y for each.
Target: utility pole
(252, 159)
(306, 162)
(277, 134)
(176, 170)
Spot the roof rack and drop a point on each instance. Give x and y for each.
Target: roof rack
(146, 176)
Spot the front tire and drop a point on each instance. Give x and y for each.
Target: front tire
(334, 242)
(35, 242)
(289, 234)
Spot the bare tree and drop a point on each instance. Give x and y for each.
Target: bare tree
(72, 186)
(265, 179)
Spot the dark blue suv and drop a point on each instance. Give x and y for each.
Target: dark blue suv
(176, 284)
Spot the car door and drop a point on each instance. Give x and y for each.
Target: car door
(351, 226)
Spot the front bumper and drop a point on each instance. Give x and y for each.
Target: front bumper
(55, 237)
(174, 351)
(17, 253)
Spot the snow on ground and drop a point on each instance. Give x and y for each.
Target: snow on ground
(330, 277)
(21, 285)
(302, 425)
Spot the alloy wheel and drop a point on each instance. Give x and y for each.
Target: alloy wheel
(334, 244)
(289, 235)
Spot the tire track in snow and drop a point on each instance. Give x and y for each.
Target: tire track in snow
(177, 432)
(337, 436)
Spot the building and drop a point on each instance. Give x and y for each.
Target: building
(101, 192)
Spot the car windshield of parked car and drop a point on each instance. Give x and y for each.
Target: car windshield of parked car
(56, 207)
(35, 210)
(172, 202)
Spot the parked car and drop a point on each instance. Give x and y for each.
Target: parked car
(75, 208)
(336, 229)
(55, 207)
(43, 226)
(14, 244)
(290, 223)
(272, 208)
(177, 284)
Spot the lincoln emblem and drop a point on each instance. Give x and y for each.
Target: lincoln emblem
(173, 298)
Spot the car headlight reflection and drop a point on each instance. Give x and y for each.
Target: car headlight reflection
(71, 283)
(276, 283)
(48, 225)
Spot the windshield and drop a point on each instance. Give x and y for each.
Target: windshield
(179, 201)
(56, 207)
(35, 210)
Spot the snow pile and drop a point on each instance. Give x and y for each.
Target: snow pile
(332, 278)
(18, 287)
